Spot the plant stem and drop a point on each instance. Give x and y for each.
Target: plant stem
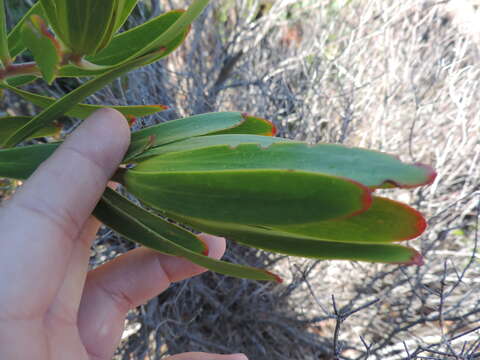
(28, 68)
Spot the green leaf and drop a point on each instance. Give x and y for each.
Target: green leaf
(197, 125)
(126, 9)
(20, 162)
(82, 111)
(256, 197)
(204, 142)
(137, 41)
(20, 80)
(83, 26)
(328, 250)
(229, 152)
(155, 223)
(291, 244)
(165, 32)
(109, 25)
(87, 26)
(193, 11)
(10, 124)
(49, 8)
(115, 211)
(4, 52)
(385, 221)
(15, 43)
(130, 45)
(252, 125)
(43, 45)
(64, 104)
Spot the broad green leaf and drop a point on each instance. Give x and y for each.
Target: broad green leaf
(84, 110)
(9, 124)
(64, 104)
(290, 244)
(20, 162)
(155, 223)
(130, 45)
(114, 211)
(196, 125)
(231, 152)
(385, 221)
(255, 197)
(44, 47)
(208, 141)
(328, 250)
(15, 43)
(4, 52)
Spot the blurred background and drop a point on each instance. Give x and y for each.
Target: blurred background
(396, 76)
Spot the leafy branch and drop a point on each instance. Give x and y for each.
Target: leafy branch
(224, 173)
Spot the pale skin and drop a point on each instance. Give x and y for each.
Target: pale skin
(51, 306)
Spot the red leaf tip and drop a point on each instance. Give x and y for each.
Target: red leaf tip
(278, 279)
(420, 224)
(366, 199)
(431, 173)
(417, 259)
(273, 128)
(131, 119)
(206, 249)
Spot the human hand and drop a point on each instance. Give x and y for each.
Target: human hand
(51, 307)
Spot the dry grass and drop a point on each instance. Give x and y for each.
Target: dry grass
(396, 76)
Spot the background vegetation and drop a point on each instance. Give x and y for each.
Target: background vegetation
(396, 76)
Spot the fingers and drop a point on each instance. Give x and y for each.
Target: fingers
(41, 222)
(205, 356)
(124, 283)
